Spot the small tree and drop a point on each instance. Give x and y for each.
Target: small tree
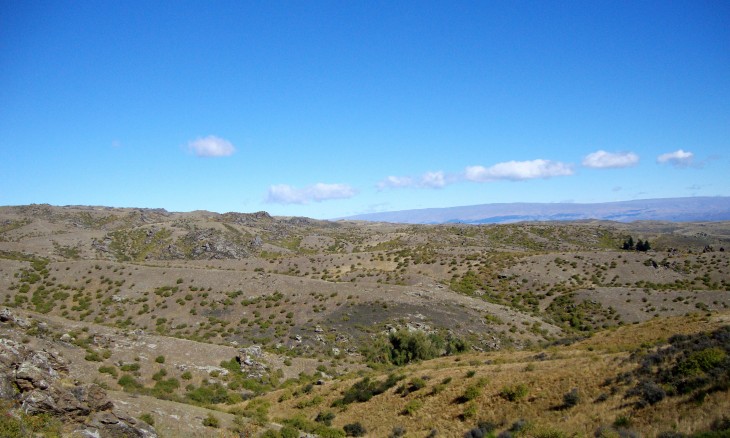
(628, 244)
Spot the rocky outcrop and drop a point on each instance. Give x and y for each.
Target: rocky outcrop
(251, 361)
(33, 381)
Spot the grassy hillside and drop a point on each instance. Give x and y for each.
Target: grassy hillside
(479, 324)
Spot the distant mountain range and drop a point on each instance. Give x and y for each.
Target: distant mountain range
(700, 209)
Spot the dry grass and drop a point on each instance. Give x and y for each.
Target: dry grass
(547, 381)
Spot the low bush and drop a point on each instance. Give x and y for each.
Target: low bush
(108, 370)
(354, 429)
(571, 398)
(308, 426)
(130, 384)
(514, 392)
(325, 418)
(412, 407)
(147, 418)
(366, 389)
(211, 421)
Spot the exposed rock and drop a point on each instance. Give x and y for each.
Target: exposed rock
(32, 379)
(250, 360)
(6, 315)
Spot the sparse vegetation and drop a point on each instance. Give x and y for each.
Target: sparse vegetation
(431, 310)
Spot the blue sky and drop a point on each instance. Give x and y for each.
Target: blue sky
(329, 109)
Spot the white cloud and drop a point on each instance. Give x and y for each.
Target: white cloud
(518, 170)
(678, 158)
(211, 146)
(608, 160)
(429, 180)
(286, 194)
(434, 180)
(395, 182)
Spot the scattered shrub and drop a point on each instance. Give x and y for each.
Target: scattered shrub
(649, 393)
(130, 367)
(160, 359)
(308, 426)
(129, 383)
(354, 429)
(108, 370)
(405, 347)
(325, 417)
(470, 412)
(514, 392)
(366, 389)
(412, 407)
(93, 356)
(471, 392)
(289, 432)
(483, 429)
(397, 432)
(571, 398)
(211, 421)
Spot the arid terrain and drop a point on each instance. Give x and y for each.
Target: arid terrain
(207, 324)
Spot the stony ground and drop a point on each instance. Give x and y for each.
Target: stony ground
(155, 307)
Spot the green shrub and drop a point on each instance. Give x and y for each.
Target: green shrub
(257, 410)
(365, 389)
(309, 426)
(147, 418)
(472, 392)
(549, 433)
(211, 421)
(354, 429)
(405, 347)
(160, 359)
(470, 412)
(289, 432)
(325, 418)
(129, 383)
(130, 367)
(93, 356)
(702, 361)
(208, 394)
(166, 386)
(108, 370)
(514, 392)
(23, 425)
(412, 407)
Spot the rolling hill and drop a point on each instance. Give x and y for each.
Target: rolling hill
(695, 209)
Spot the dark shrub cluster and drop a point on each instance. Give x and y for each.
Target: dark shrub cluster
(482, 429)
(691, 364)
(355, 429)
(404, 347)
(366, 389)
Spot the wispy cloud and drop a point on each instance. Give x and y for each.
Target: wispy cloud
(434, 180)
(395, 182)
(211, 146)
(608, 160)
(286, 194)
(429, 180)
(518, 170)
(678, 158)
